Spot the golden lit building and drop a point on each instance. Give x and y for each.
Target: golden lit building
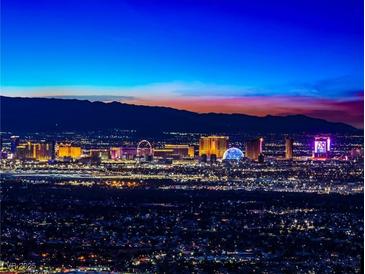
(43, 151)
(183, 151)
(191, 151)
(289, 142)
(174, 151)
(35, 151)
(68, 151)
(213, 145)
(253, 148)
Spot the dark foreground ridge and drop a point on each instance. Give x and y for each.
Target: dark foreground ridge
(44, 114)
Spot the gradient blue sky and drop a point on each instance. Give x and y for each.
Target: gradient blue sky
(197, 55)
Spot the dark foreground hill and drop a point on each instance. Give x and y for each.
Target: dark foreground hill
(43, 114)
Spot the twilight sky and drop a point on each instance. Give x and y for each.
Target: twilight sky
(254, 57)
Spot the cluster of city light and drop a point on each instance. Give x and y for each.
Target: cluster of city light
(211, 148)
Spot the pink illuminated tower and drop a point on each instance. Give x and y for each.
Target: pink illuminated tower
(322, 147)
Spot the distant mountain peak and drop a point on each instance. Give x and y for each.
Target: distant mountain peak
(42, 114)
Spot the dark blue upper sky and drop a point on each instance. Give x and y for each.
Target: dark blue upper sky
(251, 48)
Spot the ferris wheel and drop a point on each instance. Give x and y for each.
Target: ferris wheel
(144, 148)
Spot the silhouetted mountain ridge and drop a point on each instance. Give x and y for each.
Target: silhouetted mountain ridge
(49, 114)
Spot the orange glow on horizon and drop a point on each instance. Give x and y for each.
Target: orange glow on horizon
(347, 112)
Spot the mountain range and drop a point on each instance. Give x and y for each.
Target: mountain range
(21, 114)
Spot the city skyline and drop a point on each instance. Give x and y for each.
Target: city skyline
(183, 136)
(253, 58)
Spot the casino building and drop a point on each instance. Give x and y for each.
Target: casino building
(213, 146)
(322, 147)
(68, 151)
(289, 143)
(253, 149)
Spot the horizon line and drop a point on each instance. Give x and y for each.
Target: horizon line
(87, 99)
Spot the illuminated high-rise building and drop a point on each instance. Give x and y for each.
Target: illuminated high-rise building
(43, 151)
(68, 151)
(115, 153)
(191, 151)
(34, 151)
(183, 151)
(322, 147)
(14, 142)
(253, 148)
(289, 142)
(213, 146)
(174, 151)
